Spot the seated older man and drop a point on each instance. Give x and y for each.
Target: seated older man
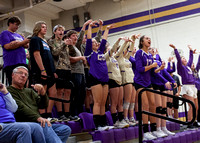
(12, 131)
(29, 102)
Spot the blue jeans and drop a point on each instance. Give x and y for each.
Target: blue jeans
(57, 133)
(21, 133)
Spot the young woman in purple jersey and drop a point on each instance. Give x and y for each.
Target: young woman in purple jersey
(160, 101)
(189, 91)
(145, 68)
(98, 75)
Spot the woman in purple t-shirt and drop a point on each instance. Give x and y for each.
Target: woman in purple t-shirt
(189, 91)
(145, 64)
(98, 75)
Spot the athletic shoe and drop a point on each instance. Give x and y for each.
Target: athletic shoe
(196, 124)
(75, 118)
(159, 134)
(129, 122)
(132, 119)
(164, 129)
(52, 120)
(191, 127)
(103, 128)
(132, 123)
(148, 136)
(116, 124)
(126, 120)
(122, 124)
(63, 118)
(110, 127)
(170, 116)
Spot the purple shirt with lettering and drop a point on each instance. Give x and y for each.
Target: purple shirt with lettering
(143, 59)
(97, 61)
(185, 71)
(15, 56)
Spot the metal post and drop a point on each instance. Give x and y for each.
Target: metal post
(140, 115)
(186, 114)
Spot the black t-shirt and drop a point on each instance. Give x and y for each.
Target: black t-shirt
(176, 79)
(37, 44)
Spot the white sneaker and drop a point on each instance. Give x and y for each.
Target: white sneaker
(52, 120)
(131, 123)
(132, 119)
(122, 124)
(116, 124)
(103, 128)
(159, 134)
(110, 127)
(164, 129)
(148, 136)
(126, 120)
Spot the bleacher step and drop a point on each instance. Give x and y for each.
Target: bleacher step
(187, 136)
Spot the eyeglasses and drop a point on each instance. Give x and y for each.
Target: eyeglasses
(22, 73)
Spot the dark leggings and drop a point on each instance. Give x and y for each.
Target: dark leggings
(78, 94)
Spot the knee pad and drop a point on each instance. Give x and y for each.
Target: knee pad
(159, 109)
(126, 105)
(132, 105)
(169, 104)
(164, 111)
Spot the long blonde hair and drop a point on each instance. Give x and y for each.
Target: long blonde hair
(37, 28)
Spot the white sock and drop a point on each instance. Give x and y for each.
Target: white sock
(126, 118)
(158, 128)
(164, 128)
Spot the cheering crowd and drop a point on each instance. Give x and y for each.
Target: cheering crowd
(91, 74)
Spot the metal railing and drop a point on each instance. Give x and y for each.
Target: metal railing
(140, 112)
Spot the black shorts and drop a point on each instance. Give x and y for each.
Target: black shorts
(113, 84)
(127, 83)
(36, 78)
(64, 79)
(87, 78)
(138, 86)
(159, 87)
(94, 81)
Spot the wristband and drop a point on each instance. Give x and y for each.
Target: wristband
(43, 70)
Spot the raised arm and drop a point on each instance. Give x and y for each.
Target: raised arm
(178, 57)
(133, 38)
(99, 33)
(81, 34)
(88, 49)
(110, 52)
(105, 36)
(198, 64)
(121, 49)
(190, 56)
(11, 104)
(169, 69)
